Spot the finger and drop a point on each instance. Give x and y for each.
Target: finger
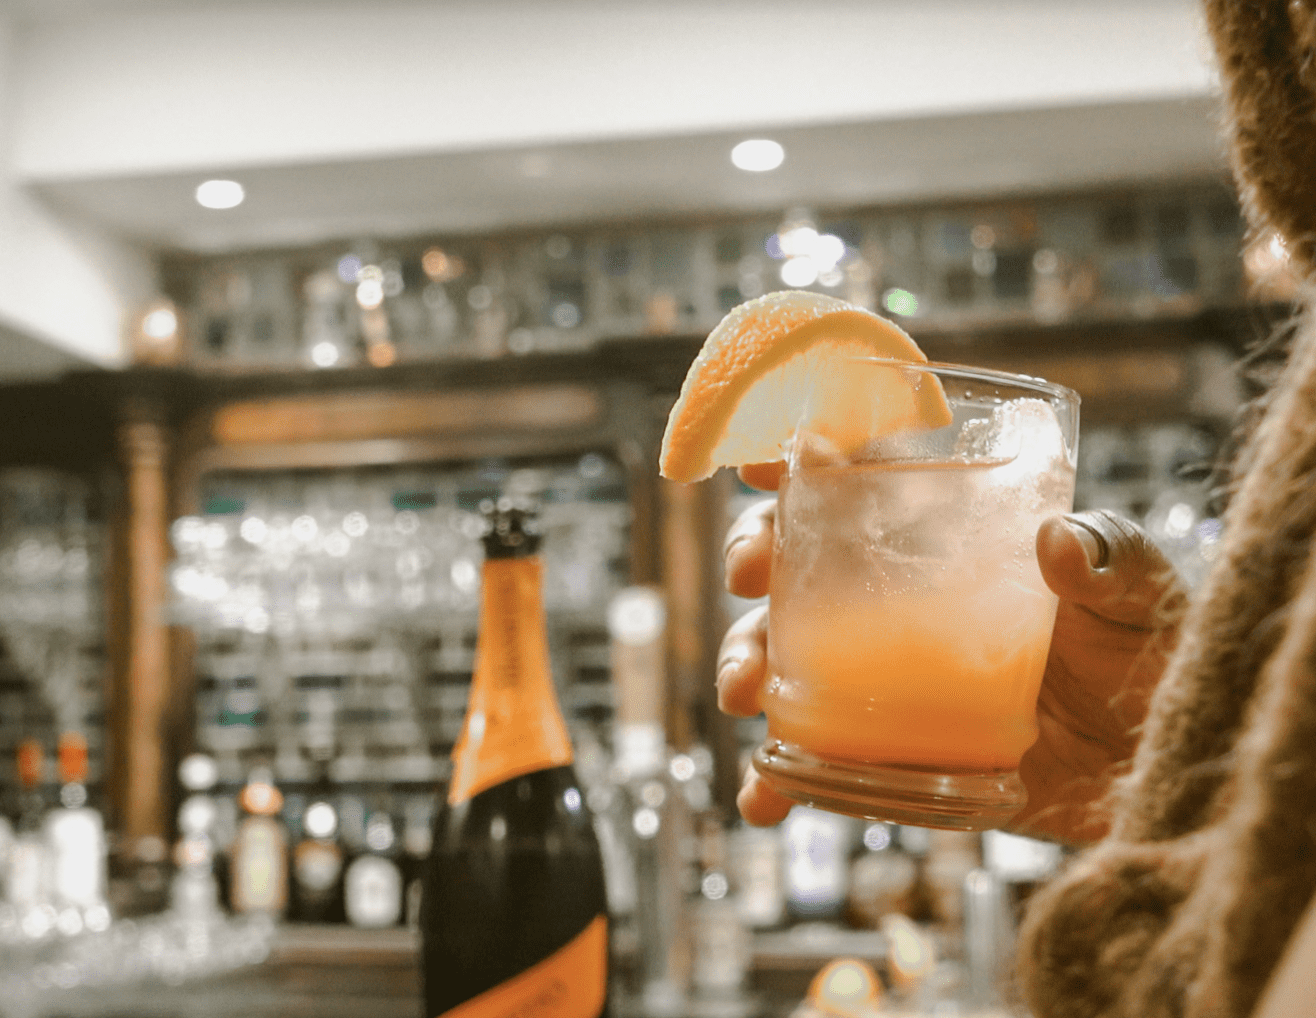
(1108, 565)
(742, 663)
(764, 476)
(758, 803)
(747, 555)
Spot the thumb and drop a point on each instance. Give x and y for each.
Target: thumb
(1107, 564)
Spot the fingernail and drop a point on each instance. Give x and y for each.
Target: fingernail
(744, 529)
(1093, 542)
(730, 665)
(734, 541)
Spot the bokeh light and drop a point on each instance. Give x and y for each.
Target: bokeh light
(900, 302)
(324, 355)
(799, 271)
(161, 323)
(220, 194)
(758, 155)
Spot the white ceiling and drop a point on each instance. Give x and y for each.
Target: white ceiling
(404, 117)
(832, 165)
(346, 119)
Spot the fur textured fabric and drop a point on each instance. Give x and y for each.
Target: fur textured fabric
(1183, 910)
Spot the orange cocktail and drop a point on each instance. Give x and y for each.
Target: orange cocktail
(909, 624)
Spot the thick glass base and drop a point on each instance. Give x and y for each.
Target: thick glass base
(902, 795)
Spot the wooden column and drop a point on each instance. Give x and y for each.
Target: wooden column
(145, 669)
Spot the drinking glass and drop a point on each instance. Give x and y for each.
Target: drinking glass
(909, 623)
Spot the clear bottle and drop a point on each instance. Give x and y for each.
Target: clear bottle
(29, 866)
(372, 885)
(258, 878)
(75, 839)
(816, 845)
(722, 955)
(194, 891)
(650, 818)
(756, 862)
(514, 907)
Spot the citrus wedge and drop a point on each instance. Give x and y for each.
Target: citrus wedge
(784, 362)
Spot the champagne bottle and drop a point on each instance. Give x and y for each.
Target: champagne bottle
(513, 912)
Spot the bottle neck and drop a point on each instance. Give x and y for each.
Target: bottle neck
(513, 724)
(512, 646)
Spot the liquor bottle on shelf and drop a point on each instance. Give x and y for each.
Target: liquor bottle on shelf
(372, 885)
(721, 955)
(952, 856)
(655, 816)
(514, 909)
(756, 862)
(317, 861)
(75, 839)
(817, 852)
(882, 878)
(417, 838)
(29, 868)
(258, 867)
(194, 892)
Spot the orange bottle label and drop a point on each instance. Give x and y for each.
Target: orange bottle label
(570, 983)
(72, 758)
(513, 725)
(31, 763)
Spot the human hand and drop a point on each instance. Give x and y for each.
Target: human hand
(1116, 623)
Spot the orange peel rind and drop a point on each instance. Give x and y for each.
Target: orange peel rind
(783, 360)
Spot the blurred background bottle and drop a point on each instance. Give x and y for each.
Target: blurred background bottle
(258, 880)
(652, 823)
(194, 894)
(372, 884)
(29, 857)
(317, 860)
(75, 837)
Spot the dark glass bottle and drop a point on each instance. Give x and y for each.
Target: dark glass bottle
(513, 911)
(317, 860)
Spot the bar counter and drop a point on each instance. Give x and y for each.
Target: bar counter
(341, 972)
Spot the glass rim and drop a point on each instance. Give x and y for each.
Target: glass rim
(969, 371)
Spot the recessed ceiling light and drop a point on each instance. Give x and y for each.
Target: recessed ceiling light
(757, 155)
(220, 194)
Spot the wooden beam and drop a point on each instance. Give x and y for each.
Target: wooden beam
(363, 416)
(143, 809)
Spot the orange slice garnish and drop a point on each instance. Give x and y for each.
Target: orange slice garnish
(785, 362)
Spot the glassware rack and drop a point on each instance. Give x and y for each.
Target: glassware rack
(1154, 250)
(53, 659)
(334, 613)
